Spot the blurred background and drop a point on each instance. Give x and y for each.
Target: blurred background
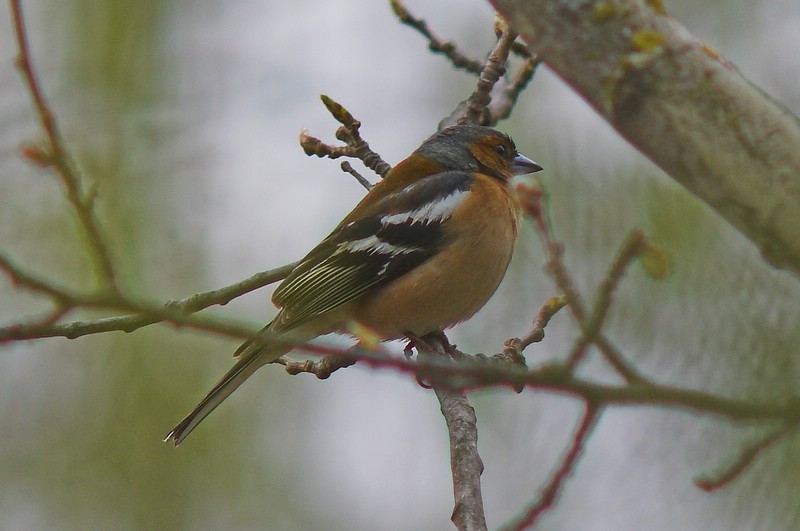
(186, 115)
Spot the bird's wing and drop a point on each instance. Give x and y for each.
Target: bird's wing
(383, 242)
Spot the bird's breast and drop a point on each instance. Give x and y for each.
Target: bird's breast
(456, 282)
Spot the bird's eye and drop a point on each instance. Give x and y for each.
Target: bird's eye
(500, 149)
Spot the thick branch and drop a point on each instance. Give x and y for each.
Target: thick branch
(462, 429)
(682, 105)
(465, 462)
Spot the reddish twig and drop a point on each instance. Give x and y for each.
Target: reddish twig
(55, 154)
(551, 489)
(592, 326)
(748, 454)
(532, 201)
(471, 373)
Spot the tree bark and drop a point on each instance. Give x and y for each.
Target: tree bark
(682, 105)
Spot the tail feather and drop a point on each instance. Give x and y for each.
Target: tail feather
(248, 363)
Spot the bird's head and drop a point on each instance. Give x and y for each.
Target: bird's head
(470, 147)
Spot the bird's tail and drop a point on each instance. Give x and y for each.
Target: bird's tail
(251, 357)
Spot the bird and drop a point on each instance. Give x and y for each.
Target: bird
(424, 250)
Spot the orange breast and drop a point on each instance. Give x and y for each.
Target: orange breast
(452, 286)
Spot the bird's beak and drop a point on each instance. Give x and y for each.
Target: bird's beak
(522, 165)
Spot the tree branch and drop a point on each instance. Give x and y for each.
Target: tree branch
(682, 105)
(126, 323)
(551, 489)
(475, 373)
(465, 462)
(349, 133)
(532, 201)
(712, 482)
(476, 111)
(462, 428)
(55, 154)
(447, 48)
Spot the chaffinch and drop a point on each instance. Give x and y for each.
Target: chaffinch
(424, 250)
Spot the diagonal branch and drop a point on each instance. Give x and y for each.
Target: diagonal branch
(532, 201)
(712, 482)
(682, 105)
(592, 326)
(447, 48)
(550, 491)
(56, 155)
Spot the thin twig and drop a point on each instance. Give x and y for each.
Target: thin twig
(514, 347)
(717, 480)
(551, 489)
(532, 201)
(66, 300)
(348, 168)
(22, 279)
(449, 49)
(506, 93)
(313, 146)
(126, 323)
(504, 100)
(333, 359)
(322, 369)
(57, 155)
(349, 133)
(592, 326)
(627, 253)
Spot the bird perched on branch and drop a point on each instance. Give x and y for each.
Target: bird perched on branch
(424, 250)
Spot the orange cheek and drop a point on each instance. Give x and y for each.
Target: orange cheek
(487, 156)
